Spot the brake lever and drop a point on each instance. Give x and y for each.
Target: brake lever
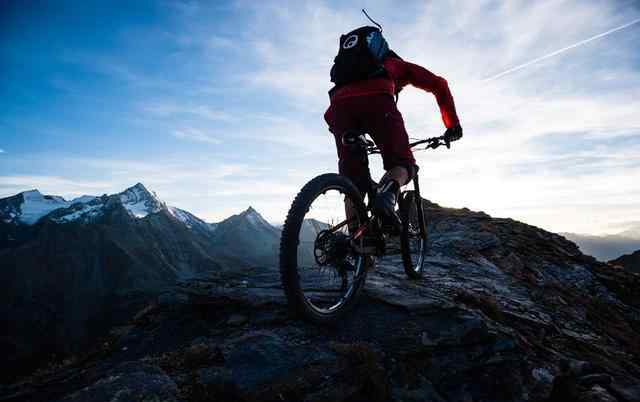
(435, 143)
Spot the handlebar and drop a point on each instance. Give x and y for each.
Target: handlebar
(432, 143)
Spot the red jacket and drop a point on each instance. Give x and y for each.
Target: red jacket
(403, 73)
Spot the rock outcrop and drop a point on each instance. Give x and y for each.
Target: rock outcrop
(629, 262)
(505, 312)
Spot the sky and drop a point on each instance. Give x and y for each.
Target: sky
(219, 105)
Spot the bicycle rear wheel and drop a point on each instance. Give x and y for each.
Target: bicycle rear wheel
(413, 239)
(321, 273)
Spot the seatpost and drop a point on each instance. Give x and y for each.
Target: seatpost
(359, 148)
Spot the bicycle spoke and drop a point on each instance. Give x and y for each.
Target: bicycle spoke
(326, 274)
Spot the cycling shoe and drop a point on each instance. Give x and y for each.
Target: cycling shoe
(384, 208)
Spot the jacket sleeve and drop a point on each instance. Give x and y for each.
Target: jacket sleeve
(404, 72)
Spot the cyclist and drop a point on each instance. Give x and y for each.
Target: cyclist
(367, 75)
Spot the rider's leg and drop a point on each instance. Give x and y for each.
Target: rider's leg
(350, 214)
(341, 116)
(399, 173)
(387, 130)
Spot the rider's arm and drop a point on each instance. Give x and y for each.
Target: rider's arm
(404, 72)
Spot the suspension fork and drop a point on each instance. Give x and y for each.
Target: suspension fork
(418, 201)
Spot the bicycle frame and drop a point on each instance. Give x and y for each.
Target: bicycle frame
(364, 148)
(431, 143)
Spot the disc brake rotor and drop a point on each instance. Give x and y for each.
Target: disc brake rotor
(330, 247)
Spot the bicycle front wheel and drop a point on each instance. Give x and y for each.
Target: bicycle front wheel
(413, 239)
(321, 273)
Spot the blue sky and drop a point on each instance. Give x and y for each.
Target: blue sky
(218, 105)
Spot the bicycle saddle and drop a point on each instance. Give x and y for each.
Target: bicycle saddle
(355, 137)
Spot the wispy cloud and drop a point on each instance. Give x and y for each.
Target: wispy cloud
(560, 51)
(172, 109)
(194, 134)
(117, 69)
(220, 42)
(2, 151)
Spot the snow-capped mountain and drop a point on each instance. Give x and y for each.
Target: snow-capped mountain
(191, 221)
(140, 202)
(29, 206)
(137, 201)
(247, 231)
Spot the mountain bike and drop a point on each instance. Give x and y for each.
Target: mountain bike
(331, 238)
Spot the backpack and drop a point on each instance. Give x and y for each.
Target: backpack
(360, 56)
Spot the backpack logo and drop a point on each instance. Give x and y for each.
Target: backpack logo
(350, 42)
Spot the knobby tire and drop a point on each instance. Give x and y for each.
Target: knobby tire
(289, 243)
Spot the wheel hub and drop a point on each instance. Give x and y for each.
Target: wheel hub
(330, 247)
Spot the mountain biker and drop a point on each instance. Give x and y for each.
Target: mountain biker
(367, 76)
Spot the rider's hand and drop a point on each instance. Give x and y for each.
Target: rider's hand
(453, 134)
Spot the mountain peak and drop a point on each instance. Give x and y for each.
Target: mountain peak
(251, 214)
(140, 202)
(249, 218)
(31, 206)
(28, 207)
(138, 187)
(32, 193)
(250, 210)
(139, 190)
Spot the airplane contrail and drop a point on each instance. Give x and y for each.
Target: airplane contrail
(557, 52)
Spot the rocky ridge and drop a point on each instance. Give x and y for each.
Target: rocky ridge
(629, 262)
(505, 312)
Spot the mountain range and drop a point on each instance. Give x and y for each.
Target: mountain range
(607, 247)
(72, 269)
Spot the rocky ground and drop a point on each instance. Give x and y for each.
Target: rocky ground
(505, 312)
